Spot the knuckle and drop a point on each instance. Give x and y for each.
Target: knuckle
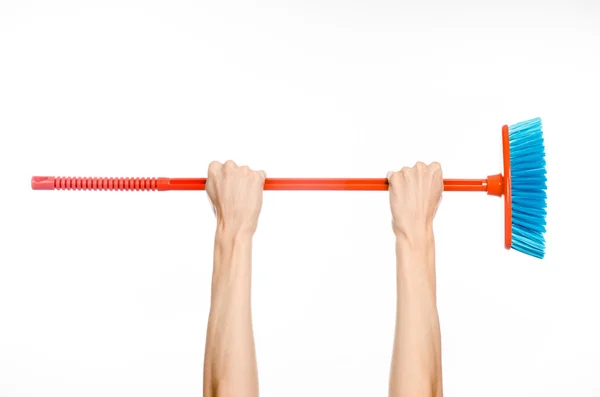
(405, 172)
(436, 169)
(230, 164)
(435, 165)
(214, 166)
(395, 177)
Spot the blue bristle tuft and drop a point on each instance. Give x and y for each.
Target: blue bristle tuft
(528, 181)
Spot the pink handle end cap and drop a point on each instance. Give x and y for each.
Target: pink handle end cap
(42, 183)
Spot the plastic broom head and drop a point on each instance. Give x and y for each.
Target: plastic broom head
(525, 187)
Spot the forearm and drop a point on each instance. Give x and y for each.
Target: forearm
(416, 359)
(230, 360)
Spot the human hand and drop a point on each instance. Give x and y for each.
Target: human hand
(236, 195)
(415, 194)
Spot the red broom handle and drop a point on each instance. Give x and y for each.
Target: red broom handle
(163, 184)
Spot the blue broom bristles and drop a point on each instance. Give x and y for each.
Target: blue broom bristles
(528, 181)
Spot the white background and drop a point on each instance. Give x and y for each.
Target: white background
(107, 294)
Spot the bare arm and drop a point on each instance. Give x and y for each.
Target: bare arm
(416, 369)
(230, 368)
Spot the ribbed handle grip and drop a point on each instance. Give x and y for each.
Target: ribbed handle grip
(79, 183)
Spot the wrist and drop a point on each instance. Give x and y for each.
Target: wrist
(415, 252)
(232, 241)
(415, 235)
(231, 233)
(232, 255)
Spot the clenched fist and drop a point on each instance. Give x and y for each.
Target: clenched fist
(415, 194)
(236, 194)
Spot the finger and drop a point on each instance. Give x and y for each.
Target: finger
(395, 176)
(263, 174)
(436, 172)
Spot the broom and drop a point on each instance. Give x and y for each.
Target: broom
(523, 186)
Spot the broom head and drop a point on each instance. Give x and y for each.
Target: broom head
(525, 187)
